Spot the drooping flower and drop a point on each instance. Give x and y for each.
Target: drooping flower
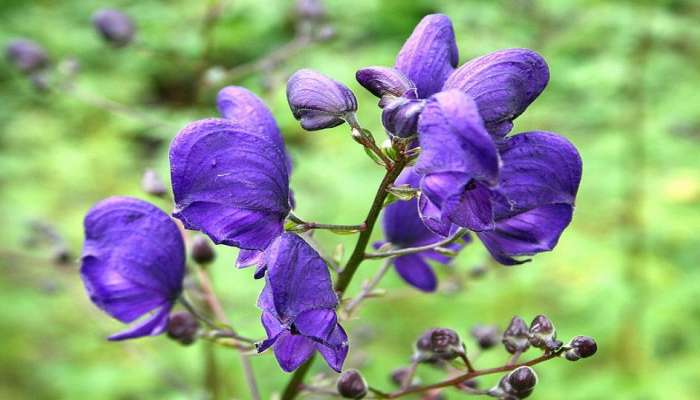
(318, 101)
(502, 83)
(403, 228)
(298, 304)
(114, 26)
(133, 263)
(230, 176)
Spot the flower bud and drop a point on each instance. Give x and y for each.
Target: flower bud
(516, 337)
(114, 26)
(542, 334)
(385, 83)
(400, 116)
(398, 375)
(522, 380)
(438, 344)
(26, 55)
(486, 336)
(202, 252)
(581, 347)
(351, 385)
(182, 327)
(318, 101)
(152, 184)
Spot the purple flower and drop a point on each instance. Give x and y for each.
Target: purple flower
(400, 116)
(230, 177)
(133, 263)
(114, 26)
(386, 83)
(318, 101)
(26, 55)
(403, 228)
(298, 304)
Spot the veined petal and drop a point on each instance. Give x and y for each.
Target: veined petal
(273, 328)
(385, 83)
(416, 272)
(400, 116)
(248, 258)
(133, 258)
(471, 208)
(229, 183)
(298, 277)
(453, 139)
(317, 324)
(318, 101)
(292, 351)
(503, 84)
(336, 350)
(429, 55)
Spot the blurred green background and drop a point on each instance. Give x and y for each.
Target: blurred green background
(625, 88)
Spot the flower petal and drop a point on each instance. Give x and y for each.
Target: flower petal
(133, 258)
(292, 351)
(527, 233)
(229, 183)
(416, 272)
(248, 258)
(453, 139)
(471, 208)
(152, 326)
(429, 55)
(318, 101)
(502, 84)
(273, 328)
(400, 116)
(432, 216)
(385, 83)
(317, 324)
(298, 277)
(336, 350)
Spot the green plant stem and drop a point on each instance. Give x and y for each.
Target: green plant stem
(358, 255)
(304, 226)
(412, 250)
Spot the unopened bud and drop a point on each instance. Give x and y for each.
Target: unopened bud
(351, 385)
(28, 56)
(202, 252)
(581, 347)
(400, 116)
(152, 184)
(486, 336)
(516, 337)
(438, 344)
(543, 335)
(114, 26)
(182, 327)
(522, 380)
(399, 375)
(318, 101)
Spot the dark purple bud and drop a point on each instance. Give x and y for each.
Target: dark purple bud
(445, 341)
(182, 327)
(318, 101)
(522, 379)
(311, 9)
(114, 26)
(202, 251)
(400, 116)
(542, 334)
(385, 83)
(516, 336)
(581, 347)
(153, 184)
(399, 375)
(26, 55)
(486, 336)
(351, 385)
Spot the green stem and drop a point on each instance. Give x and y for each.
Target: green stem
(412, 250)
(293, 386)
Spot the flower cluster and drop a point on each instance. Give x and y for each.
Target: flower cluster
(449, 150)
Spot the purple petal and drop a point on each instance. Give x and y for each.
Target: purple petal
(539, 168)
(152, 326)
(133, 258)
(248, 258)
(318, 101)
(527, 233)
(416, 272)
(229, 183)
(471, 208)
(298, 277)
(336, 350)
(400, 116)
(453, 139)
(292, 351)
(432, 216)
(273, 328)
(503, 84)
(385, 83)
(317, 324)
(429, 55)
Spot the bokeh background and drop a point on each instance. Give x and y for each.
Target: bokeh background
(625, 88)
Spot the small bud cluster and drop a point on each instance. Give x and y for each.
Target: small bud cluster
(438, 344)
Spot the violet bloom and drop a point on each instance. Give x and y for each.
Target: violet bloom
(403, 228)
(114, 26)
(318, 101)
(230, 177)
(298, 304)
(502, 83)
(133, 263)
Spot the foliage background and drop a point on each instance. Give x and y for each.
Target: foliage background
(625, 88)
